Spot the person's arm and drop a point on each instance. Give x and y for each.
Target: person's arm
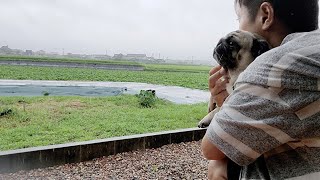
(210, 151)
(252, 121)
(217, 88)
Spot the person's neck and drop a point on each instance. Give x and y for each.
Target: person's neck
(276, 40)
(276, 35)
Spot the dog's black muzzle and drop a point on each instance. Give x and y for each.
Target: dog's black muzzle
(224, 51)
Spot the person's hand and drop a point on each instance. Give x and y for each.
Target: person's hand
(217, 85)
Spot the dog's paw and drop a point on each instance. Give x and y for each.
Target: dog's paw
(202, 124)
(205, 122)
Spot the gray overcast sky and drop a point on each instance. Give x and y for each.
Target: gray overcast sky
(178, 29)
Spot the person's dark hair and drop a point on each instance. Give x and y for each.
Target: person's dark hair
(296, 15)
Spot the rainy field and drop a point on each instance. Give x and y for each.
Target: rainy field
(195, 77)
(45, 120)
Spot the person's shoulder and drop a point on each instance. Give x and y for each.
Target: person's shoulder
(292, 43)
(295, 52)
(312, 36)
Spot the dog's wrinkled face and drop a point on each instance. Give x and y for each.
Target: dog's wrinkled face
(238, 49)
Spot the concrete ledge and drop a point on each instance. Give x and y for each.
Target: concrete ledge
(40, 157)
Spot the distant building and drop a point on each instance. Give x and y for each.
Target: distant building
(29, 53)
(77, 56)
(5, 50)
(99, 56)
(40, 53)
(118, 56)
(143, 58)
(135, 57)
(17, 52)
(53, 54)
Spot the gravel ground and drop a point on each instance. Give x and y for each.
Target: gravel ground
(174, 161)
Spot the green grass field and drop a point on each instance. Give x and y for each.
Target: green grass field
(177, 68)
(53, 120)
(148, 67)
(185, 79)
(39, 121)
(47, 59)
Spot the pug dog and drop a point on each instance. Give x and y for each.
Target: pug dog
(234, 53)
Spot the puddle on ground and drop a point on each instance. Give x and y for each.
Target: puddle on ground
(40, 90)
(179, 95)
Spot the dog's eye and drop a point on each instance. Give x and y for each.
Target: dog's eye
(231, 44)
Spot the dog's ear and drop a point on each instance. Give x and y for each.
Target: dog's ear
(259, 46)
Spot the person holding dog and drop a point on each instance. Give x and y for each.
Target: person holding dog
(270, 124)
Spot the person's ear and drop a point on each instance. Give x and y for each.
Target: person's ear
(266, 15)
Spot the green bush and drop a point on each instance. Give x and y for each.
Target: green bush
(147, 98)
(45, 93)
(5, 111)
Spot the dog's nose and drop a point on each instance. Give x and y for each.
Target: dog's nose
(220, 43)
(225, 46)
(221, 47)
